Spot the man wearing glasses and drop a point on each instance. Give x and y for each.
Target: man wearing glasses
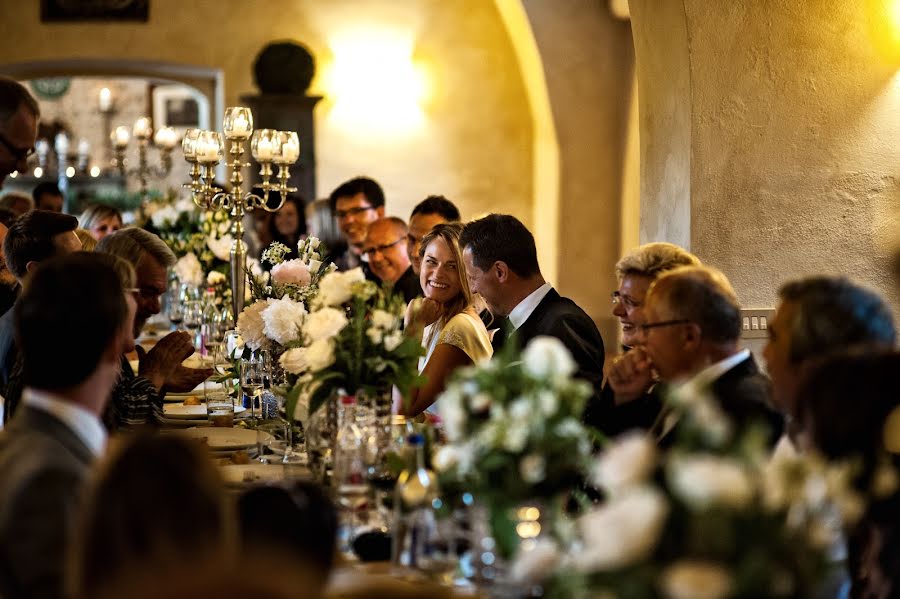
(689, 336)
(19, 114)
(355, 205)
(386, 249)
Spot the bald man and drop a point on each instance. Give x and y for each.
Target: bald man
(385, 246)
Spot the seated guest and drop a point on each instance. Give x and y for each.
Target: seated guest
(19, 116)
(433, 210)
(355, 204)
(385, 247)
(848, 405)
(9, 287)
(689, 335)
(16, 203)
(635, 272)
(451, 330)
(288, 225)
(34, 237)
(100, 220)
(137, 399)
(47, 196)
(49, 445)
(289, 525)
(156, 507)
(501, 261)
(818, 316)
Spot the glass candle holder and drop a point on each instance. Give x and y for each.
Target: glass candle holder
(238, 123)
(189, 144)
(264, 144)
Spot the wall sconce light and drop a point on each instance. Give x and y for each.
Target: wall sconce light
(374, 82)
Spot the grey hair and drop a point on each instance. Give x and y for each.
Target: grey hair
(11, 197)
(133, 243)
(651, 259)
(832, 314)
(703, 296)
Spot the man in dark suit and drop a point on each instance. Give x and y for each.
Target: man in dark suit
(501, 263)
(688, 340)
(75, 317)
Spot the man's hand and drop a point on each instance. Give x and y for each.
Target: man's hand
(185, 379)
(631, 375)
(159, 364)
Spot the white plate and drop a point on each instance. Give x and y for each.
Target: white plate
(223, 439)
(198, 390)
(236, 474)
(179, 410)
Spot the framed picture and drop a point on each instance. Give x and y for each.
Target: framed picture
(180, 107)
(94, 10)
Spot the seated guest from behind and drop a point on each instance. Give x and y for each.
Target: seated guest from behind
(635, 272)
(355, 204)
(47, 196)
(33, 238)
(818, 316)
(16, 203)
(690, 334)
(156, 510)
(501, 262)
(385, 247)
(288, 225)
(72, 324)
(100, 220)
(9, 287)
(452, 332)
(137, 399)
(433, 210)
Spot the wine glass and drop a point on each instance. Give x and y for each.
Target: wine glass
(193, 316)
(252, 377)
(174, 305)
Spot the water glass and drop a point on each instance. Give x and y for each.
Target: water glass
(272, 439)
(220, 409)
(252, 382)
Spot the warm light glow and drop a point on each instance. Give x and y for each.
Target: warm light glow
(375, 85)
(14, 174)
(70, 171)
(885, 28)
(38, 172)
(95, 171)
(105, 99)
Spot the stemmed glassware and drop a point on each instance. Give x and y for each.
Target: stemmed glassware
(193, 317)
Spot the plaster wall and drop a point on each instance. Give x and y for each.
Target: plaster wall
(794, 117)
(588, 62)
(664, 99)
(473, 145)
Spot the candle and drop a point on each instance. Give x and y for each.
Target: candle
(84, 148)
(166, 138)
(120, 136)
(142, 128)
(61, 143)
(264, 150)
(105, 99)
(238, 123)
(189, 144)
(290, 149)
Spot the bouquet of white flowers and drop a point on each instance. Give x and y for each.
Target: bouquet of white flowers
(514, 432)
(350, 339)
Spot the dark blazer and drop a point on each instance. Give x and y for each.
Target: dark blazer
(744, 394)
(7, 345)
(408, 285)
(560, 317)
(44, 465)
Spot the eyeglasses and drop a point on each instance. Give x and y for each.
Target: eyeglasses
(630, 302)
(643, 328)
(381, 248)
(341, 214)
(18, 153)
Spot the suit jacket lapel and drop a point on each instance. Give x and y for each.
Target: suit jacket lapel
(39, 420)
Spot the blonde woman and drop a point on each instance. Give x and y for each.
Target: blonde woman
(445, 319)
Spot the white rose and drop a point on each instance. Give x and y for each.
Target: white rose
(453, 416)
(383, 320)
(548, 402)
(250, 324)
(189, 270)
(520, 409)
(532, 468)
(547, 357)
(375, 335)
(294, 360)
(283, 319)
(335, 288)
(393, 340)
(221, 247)
(446, 458)
(320, 354)
(690, 579)
(215, 277)
(164, 217)
(480, 402)
(628, 461)
(536, 562)
(516, 437)
(185, 205)
(569, 428)
(324, 324)
(313, 242)
(314, 266)
(622, 531)
(704, 480)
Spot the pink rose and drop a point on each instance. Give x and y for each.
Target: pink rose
(292, 272)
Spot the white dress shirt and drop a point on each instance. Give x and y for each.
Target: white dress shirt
(85, 424)
(519, 314)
